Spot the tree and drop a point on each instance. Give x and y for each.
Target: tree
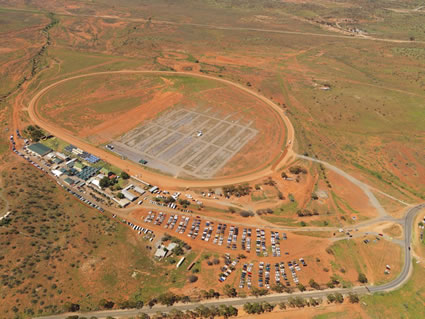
(185, 299)
(246, 213)
(203, 311)
(184, 202)
(35, 132)
(353, 298)
(167, 299)
(178, 251)
(296, 302)
(331, 298)
(267, 307)
(314, 284)
(313, 302)
(253, 308)
(106, 304)
(104, 182)
(339, 297)
(297, 170)
(124, 175)
(192, 278)
(229, 291)
(259, 291)
(301, 287)
(330, 284)
(176, 314)
(169, 199)
(362, 278)
(120, 195)
(152, 302)
(279, 288)
(71, 307)
(231, 312)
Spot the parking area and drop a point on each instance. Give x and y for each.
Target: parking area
(276, 268)
(185, 142)
(236, 238)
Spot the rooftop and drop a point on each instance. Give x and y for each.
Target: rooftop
(69, 181)
(40, 149)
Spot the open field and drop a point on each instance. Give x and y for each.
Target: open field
(354, 256)
(406, 302)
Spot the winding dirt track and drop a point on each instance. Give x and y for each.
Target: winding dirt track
(152, 177)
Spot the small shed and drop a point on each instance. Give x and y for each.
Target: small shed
(153, 189)
(139, 190)
(69, 181)
(161, 252)
(131, 197)
(57, 173)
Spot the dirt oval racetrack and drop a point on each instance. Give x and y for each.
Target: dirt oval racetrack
(154, 177)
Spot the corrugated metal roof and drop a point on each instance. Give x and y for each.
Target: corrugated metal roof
(39, 148)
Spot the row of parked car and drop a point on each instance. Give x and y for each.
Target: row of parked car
(246, 239)
(219, 235)
(264, 273)
(246, 276)
(147, 233)
(232, 237)
(228, 268)
(275, 241)
(261, 242)
(208, 230)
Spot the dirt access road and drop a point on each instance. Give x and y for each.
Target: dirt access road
(155, 178)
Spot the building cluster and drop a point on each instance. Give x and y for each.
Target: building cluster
(81, 170)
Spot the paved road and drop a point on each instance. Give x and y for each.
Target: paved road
(401, 279)
(405, 272)
(230, 302)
